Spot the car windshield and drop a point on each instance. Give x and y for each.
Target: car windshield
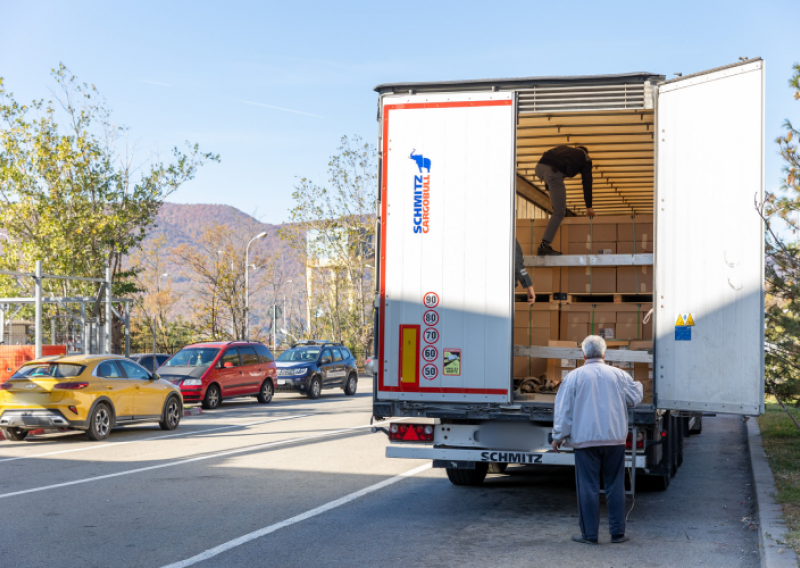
(299, 354)
(57, 370)
(193, 357)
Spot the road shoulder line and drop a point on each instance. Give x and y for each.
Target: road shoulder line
(224, 547)
(771, 526)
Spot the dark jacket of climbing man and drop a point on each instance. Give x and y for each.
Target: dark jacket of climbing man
(571, 162)
(521, 274)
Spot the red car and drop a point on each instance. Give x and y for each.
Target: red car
(210, 372)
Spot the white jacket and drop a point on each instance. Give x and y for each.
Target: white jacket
(592, 406)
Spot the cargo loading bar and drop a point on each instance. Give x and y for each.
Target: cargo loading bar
(612, 355)
(590, 260)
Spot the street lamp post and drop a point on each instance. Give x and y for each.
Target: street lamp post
(247, 284)
(158, 280)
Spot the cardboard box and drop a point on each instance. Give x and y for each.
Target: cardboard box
(596, 232)
(589, 280)
(639, 247)
(634, 280)
(529, 234)
(545, 280)
(591, 248)
(624, 318)
(529, 367)
(641, 224)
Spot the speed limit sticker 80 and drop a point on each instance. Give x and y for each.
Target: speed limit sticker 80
(431, 317)
(430, 335)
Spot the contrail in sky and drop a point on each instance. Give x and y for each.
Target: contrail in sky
(277, 108)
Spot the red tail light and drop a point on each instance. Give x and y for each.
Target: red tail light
(5, 386)
(411, 432)
(639, 441)
(70, 386)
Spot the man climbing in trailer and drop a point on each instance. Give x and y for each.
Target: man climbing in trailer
(554, 165)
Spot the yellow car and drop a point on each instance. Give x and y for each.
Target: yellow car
(93, 393)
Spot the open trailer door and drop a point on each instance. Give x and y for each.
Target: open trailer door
(446, 247)
(709, 252)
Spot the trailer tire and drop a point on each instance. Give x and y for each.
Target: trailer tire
(658, 482)
(497, 467)
(470, 477)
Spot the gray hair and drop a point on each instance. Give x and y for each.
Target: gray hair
(594, 347)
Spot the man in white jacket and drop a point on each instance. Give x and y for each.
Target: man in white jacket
(591, 416)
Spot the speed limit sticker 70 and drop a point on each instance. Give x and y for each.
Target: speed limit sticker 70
(430, 299)
(430, 335)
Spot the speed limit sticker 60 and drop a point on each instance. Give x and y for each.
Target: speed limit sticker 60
(430, 335)
(430, 372)
(430, 353)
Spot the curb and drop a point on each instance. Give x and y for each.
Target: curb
(771, 526)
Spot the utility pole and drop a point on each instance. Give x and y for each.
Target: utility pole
(38, 309)
(108, 311)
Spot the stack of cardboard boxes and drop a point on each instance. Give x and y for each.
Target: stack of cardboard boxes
(567, 323)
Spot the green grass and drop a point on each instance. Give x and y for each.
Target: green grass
(782, 443)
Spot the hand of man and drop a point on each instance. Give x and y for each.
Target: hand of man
(531, 295)
(555, 446)
(590, 212)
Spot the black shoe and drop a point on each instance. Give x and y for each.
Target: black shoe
(546, 249)
(583, 540)
(620, 538)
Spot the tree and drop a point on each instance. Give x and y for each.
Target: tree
(333, 232)
(73, 195)
(215, 265)
(782, 360)
(156, 296)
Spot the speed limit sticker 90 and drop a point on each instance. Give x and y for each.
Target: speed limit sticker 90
(430, 335)
(430, 372)
(431, 317)
(430, 353)
(430, 299)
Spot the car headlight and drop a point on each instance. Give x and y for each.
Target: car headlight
(192, 382)
(296, 372)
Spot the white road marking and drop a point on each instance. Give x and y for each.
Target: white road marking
(211, 552)
(185, 461)
(114, 444)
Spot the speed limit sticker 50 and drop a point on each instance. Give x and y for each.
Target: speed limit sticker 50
(430, 372)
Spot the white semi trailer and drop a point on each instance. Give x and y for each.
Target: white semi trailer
(453, 158)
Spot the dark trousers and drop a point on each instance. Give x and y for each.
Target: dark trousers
(590, 464)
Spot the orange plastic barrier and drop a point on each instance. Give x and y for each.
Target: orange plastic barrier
(12, 357)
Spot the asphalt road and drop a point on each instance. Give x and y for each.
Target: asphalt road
(305, 483)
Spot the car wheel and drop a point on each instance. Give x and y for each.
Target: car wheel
(212, 398)
(266, 392)
(173, 411)
(15, 434)
(352, 384)
(468, 476)
(99, 423)
(315, 388)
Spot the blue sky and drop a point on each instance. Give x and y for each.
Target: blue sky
(219, 73)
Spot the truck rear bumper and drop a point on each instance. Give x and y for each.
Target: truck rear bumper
(543, 456)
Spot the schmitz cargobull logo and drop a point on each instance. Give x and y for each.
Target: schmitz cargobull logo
(422, 188)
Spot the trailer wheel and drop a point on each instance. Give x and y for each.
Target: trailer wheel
(497, 467)
(468, 476)
(658, 482)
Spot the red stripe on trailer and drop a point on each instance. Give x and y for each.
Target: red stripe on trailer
(384, 219)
